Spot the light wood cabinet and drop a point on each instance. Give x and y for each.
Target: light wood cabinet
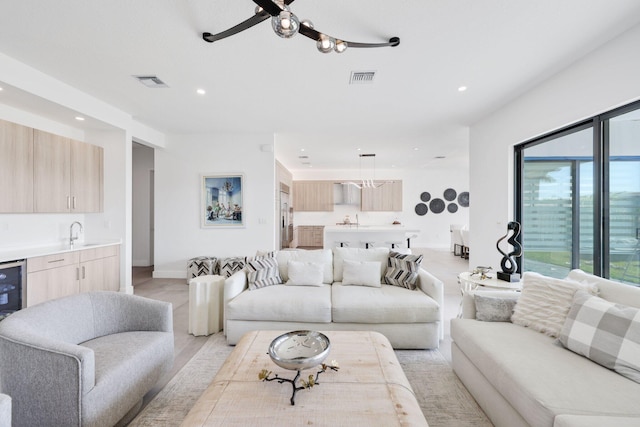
(16, 168)
(310, 236)
(52, 276)
(68, 273)
(312, 196)
(67, 174)
(387, 197)
(100, 269)
(87, 163)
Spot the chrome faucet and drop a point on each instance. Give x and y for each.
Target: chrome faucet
(71, 238)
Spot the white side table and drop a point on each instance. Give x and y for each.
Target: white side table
(470, 282)
(206, 311)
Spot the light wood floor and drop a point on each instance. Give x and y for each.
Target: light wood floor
(441, 263)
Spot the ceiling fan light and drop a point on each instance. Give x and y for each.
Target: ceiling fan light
(340, 46)
(286, 24)
(325, 44)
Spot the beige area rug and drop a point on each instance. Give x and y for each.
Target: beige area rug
(442, 397)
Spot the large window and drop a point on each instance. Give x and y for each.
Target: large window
(578, 198)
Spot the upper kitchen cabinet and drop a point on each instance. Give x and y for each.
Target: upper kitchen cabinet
(387, 197)
(87, 163)
(313, 196)
(16, 168)
(67, 174)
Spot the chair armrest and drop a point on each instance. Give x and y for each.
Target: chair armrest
(432, 286)
(5, 410)
(41, 371)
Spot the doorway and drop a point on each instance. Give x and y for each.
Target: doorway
(142, 205)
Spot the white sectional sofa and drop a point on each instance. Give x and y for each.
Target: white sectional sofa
(523, 377)
(408, 318)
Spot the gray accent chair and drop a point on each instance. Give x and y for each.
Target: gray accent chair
(84, 360)
(5, 410)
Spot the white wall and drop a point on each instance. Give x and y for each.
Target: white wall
(142, 206)
(439, 176)
(604, 79)
(178, 173)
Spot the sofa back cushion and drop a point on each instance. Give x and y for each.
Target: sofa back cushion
(608, 289)
(358, 254)
(70, 319)
(320, 256)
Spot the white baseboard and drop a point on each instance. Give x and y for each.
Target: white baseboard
(169, 274)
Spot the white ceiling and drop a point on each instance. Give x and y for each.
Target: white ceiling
(258, 82)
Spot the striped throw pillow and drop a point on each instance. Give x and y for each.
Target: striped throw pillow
(263, 272)
(402, 270)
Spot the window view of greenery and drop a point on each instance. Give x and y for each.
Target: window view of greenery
(624, 197)
(556, 174)
(558, 202)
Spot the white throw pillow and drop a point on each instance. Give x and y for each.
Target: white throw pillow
(361, 273)
(544, 303)
(305, 273)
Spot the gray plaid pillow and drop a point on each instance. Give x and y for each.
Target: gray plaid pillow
(604, 332)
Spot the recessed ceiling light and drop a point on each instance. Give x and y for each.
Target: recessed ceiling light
(462, 88)
(302, 149)
(415, 148)
(201, 91)
(80, 118)
(440, 157)
(1, 89)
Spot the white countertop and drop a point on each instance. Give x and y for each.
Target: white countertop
(368, 228)
(30, 252)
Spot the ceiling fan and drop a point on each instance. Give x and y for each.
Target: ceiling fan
(286, 25)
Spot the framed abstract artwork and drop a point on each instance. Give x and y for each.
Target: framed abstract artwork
(222, 202)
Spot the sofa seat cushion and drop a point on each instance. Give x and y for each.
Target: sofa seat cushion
(126, 366)
(386, 304)
(539, 377)
(282, 303)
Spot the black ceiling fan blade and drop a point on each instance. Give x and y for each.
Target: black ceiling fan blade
(315, 35)
(254, 20)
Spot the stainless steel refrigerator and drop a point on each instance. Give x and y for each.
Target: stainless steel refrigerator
(286, 218)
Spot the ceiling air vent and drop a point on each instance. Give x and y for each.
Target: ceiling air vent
(151, 81)
(362, 77)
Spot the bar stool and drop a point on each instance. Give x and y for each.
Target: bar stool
(413, 236)
(368, 243)
(394, 244)
(343, 244)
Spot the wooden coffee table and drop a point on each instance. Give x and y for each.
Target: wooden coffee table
(370, 389)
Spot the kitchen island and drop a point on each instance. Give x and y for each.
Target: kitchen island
(361, 236)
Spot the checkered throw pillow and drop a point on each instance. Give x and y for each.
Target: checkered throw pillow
(262, 272)
(402, 270)
(604, 332)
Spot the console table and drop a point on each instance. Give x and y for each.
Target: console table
(370, 388)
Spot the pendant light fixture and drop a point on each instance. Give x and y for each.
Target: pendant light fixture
(286, 25)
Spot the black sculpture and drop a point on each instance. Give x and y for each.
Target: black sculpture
(508, 263)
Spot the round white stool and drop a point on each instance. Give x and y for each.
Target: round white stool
(206, 310)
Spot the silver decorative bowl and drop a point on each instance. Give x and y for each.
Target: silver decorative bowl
(299, 350)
